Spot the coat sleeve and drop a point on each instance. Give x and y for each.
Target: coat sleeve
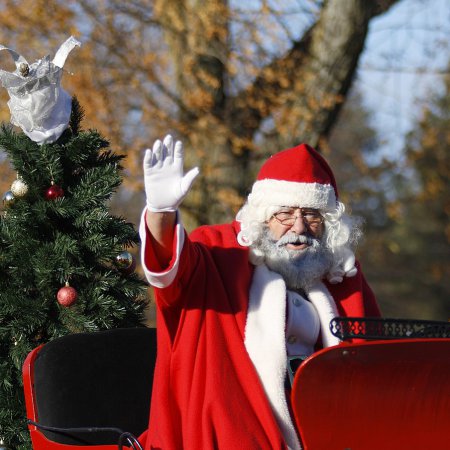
(158, 276)
(354, 297)
(173, 284)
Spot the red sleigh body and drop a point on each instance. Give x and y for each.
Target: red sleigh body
(388, 393)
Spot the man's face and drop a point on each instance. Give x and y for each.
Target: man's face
(292, 246)
(299, 221)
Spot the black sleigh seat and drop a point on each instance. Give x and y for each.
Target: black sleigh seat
(90, 380)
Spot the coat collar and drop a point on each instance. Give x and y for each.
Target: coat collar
(265, 338)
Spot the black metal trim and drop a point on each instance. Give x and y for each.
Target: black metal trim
(131, 440)
(371, 328)
(293, 363)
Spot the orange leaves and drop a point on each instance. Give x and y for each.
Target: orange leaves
(230, 198)
(212, 75)
(7, 176)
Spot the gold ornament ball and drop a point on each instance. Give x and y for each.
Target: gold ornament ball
(124, 260)
(24, 69)
(19, 188)
(8, 198)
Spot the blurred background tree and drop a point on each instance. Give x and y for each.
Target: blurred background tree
(236, 81)
(405, 251)
(216, 75)
(417, 229)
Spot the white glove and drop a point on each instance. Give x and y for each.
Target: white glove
(165, 184)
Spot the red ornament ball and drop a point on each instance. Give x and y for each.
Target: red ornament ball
(54, 192)
(67, 295)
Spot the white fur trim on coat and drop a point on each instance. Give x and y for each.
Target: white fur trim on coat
(265, 338)
(322, 300)
(266, 345)
(161, 279)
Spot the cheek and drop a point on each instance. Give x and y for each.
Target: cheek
(276, 230)
(317, 232)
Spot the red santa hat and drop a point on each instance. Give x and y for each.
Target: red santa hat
(298, 176)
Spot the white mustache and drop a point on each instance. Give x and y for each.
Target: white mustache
(292, 238)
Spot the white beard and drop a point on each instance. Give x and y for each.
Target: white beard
(300, 269)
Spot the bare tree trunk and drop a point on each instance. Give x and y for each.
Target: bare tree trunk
(309, 83)
(303, 90)
(198, 40)
(337, 42)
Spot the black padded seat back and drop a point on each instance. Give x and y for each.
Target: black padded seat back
(100, 379)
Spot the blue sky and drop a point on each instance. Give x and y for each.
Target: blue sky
(407, 53)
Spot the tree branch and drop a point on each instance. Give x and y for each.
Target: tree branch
(314, 75)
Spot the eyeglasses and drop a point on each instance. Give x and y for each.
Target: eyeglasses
(288, 217)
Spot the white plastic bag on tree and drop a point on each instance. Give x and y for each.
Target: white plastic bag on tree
(38, 104)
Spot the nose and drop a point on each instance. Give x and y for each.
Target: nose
(299, 226)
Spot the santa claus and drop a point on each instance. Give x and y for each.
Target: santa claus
(235, 302)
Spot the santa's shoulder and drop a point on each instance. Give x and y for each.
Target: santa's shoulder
(221, 235)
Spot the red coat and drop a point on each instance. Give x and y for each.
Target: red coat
(206, 392)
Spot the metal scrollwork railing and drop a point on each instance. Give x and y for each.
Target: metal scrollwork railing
(376, 328)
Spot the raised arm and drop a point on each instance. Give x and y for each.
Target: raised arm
(165, 188)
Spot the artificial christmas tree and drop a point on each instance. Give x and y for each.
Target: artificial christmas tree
(59, 244)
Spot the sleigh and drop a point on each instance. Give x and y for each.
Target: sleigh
(389, 390)
(387, 386)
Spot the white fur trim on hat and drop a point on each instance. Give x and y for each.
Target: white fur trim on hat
(291, 193)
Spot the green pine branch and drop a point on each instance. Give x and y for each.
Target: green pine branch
(46, 242)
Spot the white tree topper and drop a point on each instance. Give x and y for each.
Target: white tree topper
(38, 104)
